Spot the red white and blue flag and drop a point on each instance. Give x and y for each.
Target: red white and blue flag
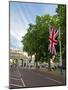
(52, 39)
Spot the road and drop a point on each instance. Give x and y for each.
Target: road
(21, 78)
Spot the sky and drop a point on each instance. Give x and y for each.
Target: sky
(22, 14)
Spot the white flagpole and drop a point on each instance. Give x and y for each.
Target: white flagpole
(60, 52)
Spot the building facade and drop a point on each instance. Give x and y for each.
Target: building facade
(21, 58)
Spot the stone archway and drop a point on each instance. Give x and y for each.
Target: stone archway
(21, 62)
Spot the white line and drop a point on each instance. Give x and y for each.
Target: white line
(21, 79)
(18, 72)
(54, 80)
(15, 78)
(16, 85)
(23, 82)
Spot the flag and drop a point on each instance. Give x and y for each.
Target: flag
(59, 36)
(52, 39)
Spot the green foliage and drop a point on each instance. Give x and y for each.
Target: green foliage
(35, 40)
(61, 15)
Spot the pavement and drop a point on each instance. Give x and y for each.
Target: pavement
(27, 78)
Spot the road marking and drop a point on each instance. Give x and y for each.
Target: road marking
(15, 78)
(54, 80)
(23, 82)
(21, 78)
(18, 72)
(16, 85)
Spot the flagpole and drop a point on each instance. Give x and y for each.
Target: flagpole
(60, 53)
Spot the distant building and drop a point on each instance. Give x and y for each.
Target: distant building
(21, 58)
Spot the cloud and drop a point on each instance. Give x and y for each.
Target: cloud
(14, 42)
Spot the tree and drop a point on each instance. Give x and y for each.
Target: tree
(36, 41)
(61, 14)
(27, 41)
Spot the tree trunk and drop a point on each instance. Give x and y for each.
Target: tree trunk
(31, 57)
(49, 64)
(36, 61)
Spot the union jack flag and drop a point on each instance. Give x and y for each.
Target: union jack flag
(52, 39)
